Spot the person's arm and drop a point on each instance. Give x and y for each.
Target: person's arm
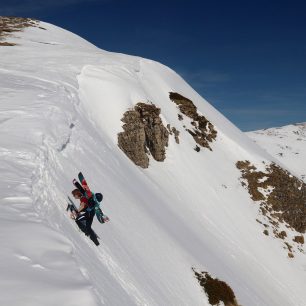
(82, 206)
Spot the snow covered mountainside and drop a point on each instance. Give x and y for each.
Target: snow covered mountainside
(287, 144)
(210, 200)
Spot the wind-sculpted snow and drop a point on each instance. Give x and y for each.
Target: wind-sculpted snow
(37, 262)
(60, 108)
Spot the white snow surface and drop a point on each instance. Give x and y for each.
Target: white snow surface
(287, 144)
(60, 108)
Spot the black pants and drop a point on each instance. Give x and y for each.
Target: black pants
(84, 222)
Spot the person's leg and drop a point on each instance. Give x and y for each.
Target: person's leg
(90, 232)
(94, 237)
(90, 216)
(81, 222)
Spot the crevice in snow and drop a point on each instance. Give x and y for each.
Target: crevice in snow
(67, 141)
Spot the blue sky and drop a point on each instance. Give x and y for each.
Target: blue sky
(247, 58)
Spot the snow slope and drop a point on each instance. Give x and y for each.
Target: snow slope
(287, 143)
(60, 108)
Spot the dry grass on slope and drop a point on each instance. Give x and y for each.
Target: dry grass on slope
(9, 25)
(282, 200)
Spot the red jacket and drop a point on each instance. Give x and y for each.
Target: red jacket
(84, 202)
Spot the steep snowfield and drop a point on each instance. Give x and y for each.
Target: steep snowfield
(60, 108)
(287, 143)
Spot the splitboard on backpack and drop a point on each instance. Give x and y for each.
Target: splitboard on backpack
(94, 199)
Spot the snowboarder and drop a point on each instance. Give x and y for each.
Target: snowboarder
(84, 216)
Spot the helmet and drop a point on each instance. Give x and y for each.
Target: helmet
(99, 197)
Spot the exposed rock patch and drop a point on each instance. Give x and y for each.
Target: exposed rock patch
(282, 197)
(202, 130)
(10, 25)
(132, 140)
(216, 290)
(299, 239)
(175, 132)
(144, 134)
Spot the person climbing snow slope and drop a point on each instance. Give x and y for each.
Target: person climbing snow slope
(84, 216)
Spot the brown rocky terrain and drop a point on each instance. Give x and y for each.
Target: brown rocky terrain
(216, 290)
(282, 198)
(144, 134)
(202, 131)
(10, 25)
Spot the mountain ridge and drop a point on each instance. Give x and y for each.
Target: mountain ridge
(189, 211)
(286, 143)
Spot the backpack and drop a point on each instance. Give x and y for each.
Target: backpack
(94, 201)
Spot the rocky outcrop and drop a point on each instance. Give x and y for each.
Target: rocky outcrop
(175, 132)
(216, 290)
(282, 197)
(9, 25)
(202, 130)
(144, 134)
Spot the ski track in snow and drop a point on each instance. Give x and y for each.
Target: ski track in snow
(29, 173)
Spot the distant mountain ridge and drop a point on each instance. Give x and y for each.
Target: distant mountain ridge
(287, 144)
